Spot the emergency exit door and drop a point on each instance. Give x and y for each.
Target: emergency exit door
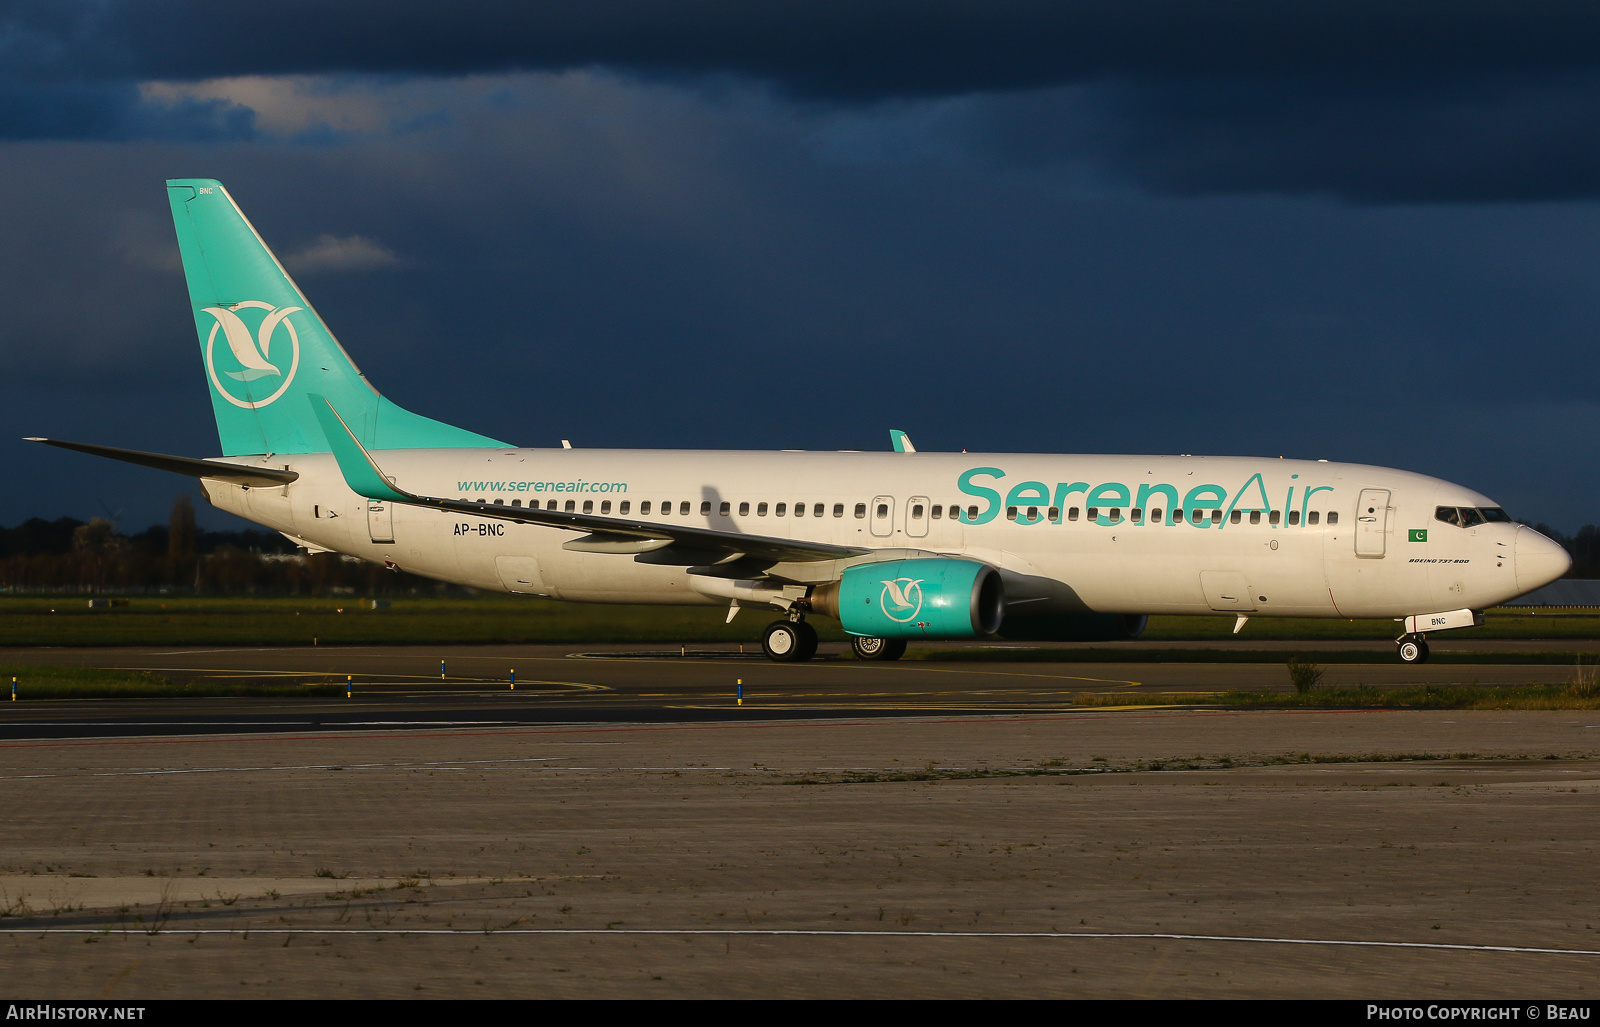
(1372, 522)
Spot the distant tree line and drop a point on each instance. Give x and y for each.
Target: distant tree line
(93, 556)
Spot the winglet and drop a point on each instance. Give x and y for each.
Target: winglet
(355, 463)
(902, 441)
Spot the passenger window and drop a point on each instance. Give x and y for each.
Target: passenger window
(883, 510)
(1054, 514)
(819, 509)
(1294, 517)
(861, 510)
(1255, 516)
(744, 509)
(499, 502)
(1333, 517)
(1177, 516)
(605, 506)
(569, 506)
(1072, 514)
(1136, 515)
(1236, 517)
(779, 510)
(588, 506)
(936, 513)
(550, 505)
(623, 507)
(838, 509)
(1033, 514)
(1272, 518)
(516, 502)
(644, 508)
(1216, 517)
(1155, 516)
(1197, 515)
(1313, 517)
(916, 511)
(683, 508)
(799, 509)
(761, 509)
(972, 513)
(1093, 513)
(1116, 513)
(705, 508)
(723, 509)
(1011, 513)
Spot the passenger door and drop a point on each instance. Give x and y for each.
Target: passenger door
(881, 516)
(1372, 523)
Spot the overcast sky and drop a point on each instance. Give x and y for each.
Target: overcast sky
(1356, 230)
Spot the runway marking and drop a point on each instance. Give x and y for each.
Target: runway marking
(819, 933)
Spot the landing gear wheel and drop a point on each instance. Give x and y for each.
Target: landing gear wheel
(1413, 650)
(878, 648)
(789, 641)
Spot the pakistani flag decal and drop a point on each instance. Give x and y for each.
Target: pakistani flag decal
(1417, 535)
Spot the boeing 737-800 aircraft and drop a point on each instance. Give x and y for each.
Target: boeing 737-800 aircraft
(896, 546)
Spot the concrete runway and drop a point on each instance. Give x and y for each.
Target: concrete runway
(400, 687)
(1399, 855)
(617, 827)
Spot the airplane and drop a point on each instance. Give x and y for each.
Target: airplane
(897, 546)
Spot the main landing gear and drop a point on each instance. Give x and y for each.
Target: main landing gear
(789, 641)
(878, 648)
(1412, 649)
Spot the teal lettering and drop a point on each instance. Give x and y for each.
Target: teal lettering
(990, 496)
(1110, 494)
(1029, 493)
(1146, 491)
(1261, 488)
(1063, 490)
(1307, 498)
(1204, 497)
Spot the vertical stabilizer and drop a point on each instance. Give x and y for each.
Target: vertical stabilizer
(266, 350)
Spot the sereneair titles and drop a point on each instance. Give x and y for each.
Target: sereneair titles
(1114, 495)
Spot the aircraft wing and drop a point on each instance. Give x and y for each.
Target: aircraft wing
(608, 534)
(239, 474)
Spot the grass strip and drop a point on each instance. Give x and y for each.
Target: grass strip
(89, 683)
(1099, 765)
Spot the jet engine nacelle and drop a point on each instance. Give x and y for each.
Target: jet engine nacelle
(926, 598)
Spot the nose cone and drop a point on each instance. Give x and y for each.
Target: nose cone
(1539, 561)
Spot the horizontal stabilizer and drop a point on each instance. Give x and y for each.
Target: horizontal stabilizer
(220, 470)
(608, 534)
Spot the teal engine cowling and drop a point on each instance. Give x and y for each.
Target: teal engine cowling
(925, 598)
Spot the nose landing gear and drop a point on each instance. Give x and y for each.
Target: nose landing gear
(1412, 649)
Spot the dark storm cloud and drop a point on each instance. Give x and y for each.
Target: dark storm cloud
(845, 48)
(1361, 99)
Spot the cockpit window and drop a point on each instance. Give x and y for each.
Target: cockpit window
(1468, 516)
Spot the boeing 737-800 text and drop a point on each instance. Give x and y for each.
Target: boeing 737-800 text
(896, 546)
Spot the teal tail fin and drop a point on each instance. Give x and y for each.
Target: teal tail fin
(267, 352)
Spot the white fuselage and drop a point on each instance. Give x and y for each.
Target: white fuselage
(1274, 537)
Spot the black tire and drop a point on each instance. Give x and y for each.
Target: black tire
(1412, 650)
(784, 642)
(878, 648)
(808, 641)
